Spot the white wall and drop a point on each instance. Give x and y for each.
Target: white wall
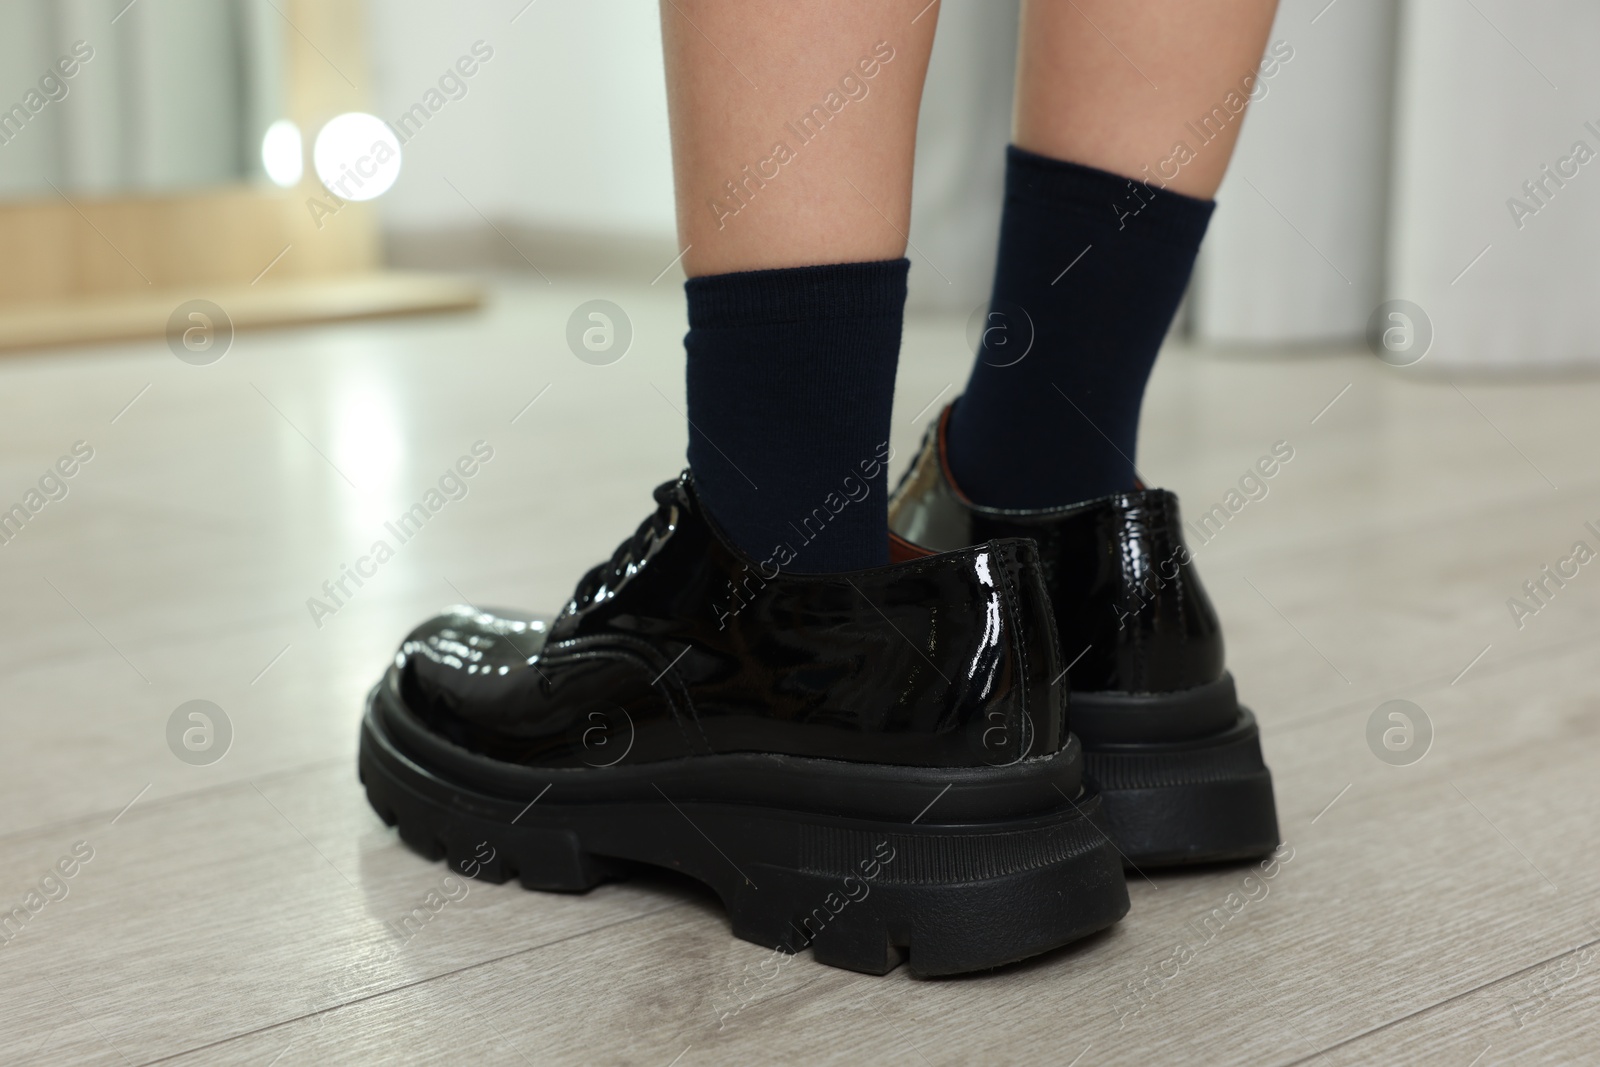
(1295, 249)
(962, 135)
(1487, 98)
(565, 128)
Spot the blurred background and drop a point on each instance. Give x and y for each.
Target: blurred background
(1383, 160)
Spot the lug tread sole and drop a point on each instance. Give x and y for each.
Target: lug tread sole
(862, 895)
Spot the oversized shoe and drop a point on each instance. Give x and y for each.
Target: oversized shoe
(873, 764)
(1175, 757)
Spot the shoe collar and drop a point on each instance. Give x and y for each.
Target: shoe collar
(937, 439)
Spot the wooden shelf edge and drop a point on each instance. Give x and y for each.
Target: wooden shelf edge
(91, 320)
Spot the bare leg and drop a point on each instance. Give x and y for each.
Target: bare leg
(836, 84)
(1112, 83)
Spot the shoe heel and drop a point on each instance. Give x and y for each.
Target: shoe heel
(942, 899)
(539, 859)
(849, 938)
(1205, 800)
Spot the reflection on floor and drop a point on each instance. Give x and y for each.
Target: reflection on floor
(252, 907)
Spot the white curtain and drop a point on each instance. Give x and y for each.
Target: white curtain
(176, 94)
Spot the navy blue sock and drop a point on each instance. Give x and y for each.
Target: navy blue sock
(1093, 265)
(791, 383)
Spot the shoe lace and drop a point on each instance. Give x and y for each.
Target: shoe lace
(603, 581)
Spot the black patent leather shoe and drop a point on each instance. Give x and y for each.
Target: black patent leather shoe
(1176, 758)
(872, 764)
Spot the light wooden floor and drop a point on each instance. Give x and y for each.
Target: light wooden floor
(241, 912)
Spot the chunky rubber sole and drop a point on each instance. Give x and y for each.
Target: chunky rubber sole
(1205, 799)
(865, 894)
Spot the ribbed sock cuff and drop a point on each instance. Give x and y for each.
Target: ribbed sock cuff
(798, 294)
(1121, 202)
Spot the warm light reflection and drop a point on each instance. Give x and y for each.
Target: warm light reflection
(357, 156)
(283, 154)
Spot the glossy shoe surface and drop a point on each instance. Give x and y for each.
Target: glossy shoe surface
(1177, 759)
(871, 764)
